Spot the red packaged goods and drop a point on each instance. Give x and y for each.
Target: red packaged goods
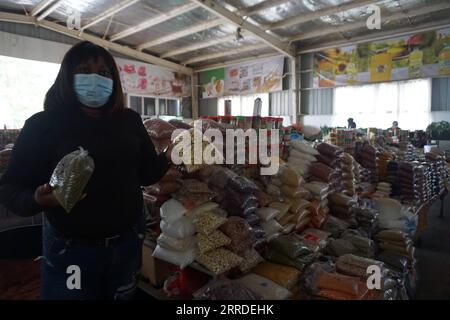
(320, 170)
(159, 129)
(180, 124)
(329, 161)
(329, 150)
(172, 175)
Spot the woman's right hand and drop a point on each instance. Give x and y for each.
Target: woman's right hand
(44, 196)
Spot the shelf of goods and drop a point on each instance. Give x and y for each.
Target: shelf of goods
(307, 232)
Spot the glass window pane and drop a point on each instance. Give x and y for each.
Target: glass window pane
(162, 107)
(136, 103)
(173, 107)
(149, 107)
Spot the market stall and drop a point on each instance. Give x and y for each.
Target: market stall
(311, 231)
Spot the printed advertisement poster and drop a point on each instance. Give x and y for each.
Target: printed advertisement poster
(146, 79)
(213, 83)
(421, 55)
(261, 76)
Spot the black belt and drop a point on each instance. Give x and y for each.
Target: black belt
(105, 242)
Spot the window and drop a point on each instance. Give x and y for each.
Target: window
(23, 85)
(243, 105)
(148, 106)
(379, 105)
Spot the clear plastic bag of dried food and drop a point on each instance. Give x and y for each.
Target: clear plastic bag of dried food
(251, 259)
(243, 184)
(241, 234)
(225, 290)
(214, 240)
(219, 261)
(71, 176)
(290, 246)
(207, 222)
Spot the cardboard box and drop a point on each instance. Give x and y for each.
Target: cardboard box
(155, 270)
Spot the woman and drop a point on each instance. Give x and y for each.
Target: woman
(102, 235)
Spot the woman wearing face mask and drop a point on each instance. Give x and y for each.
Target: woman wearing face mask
(93, 252)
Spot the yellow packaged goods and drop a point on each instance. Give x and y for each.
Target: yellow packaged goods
(304, 156)
(290, 178)
(267, 214)
(286, 219)
(214, 240)
(304, 147)
(297, 205)
(285, 276)
(341, 199)
(272, 229)
(273, 190)
(207, 222)
(282, 207)
(291, 192)
(317, 188)
(288, 228)
(219, 261)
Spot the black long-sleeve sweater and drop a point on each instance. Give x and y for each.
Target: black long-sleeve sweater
(125, 159)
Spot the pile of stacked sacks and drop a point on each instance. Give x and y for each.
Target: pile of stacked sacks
(238, 196)
(367, 156)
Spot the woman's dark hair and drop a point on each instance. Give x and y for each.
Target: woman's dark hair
(62, 96)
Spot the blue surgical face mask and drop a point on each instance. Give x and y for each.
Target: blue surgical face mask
(93, 90)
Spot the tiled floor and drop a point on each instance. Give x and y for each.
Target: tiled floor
(433, 256)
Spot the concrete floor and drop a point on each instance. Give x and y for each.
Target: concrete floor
(433, 255)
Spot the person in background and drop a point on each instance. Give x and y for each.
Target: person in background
(103, 234)
(351, 124)
(395, 129)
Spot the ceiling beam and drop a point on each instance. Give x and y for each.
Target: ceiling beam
(108, 13)
(182, 33)
(252, 10)
(362, 24)
(196, 46)
(48, 11)
(378, 36)
(235, 19)
(40, 6)
(234, 62)
(154, 21)
(225, 53)
(323, 12)
(17, 18)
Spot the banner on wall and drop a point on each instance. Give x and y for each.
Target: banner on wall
(146, 79)
(213, 83)
(421, 55)
(261, 76)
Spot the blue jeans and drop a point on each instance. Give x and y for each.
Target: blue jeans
(104, 272)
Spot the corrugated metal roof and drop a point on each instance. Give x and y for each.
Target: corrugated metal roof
(264, 18)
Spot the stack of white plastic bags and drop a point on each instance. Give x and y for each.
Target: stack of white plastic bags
(383, 190)
(301, 156)
(392, 215)
(177, 243)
